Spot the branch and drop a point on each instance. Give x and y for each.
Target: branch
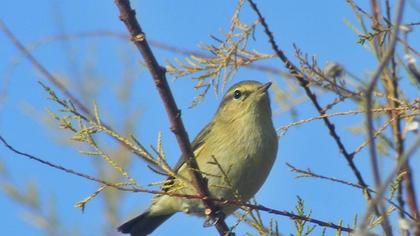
(303, 81)
(391, 87)
(64, 90)
(381, 191)
(369, 116)
(123, 187)
(87, 114)
(127, 15)
(376, 14)
(42, 69)
(283, 129)
(310, 173)
(408, 178)
(50, 77)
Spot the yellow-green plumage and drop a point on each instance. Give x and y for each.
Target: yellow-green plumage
(235, 152)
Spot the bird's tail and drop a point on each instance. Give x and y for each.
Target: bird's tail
(143, 224)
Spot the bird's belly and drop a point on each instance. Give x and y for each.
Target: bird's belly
(239, 177)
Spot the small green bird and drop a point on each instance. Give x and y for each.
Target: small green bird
(234, 152)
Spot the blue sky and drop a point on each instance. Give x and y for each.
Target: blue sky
(316, 27)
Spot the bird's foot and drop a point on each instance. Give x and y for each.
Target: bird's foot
(210, 221)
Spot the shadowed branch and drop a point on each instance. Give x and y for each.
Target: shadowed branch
(127, 15)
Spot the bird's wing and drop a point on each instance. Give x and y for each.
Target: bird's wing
(195, 145)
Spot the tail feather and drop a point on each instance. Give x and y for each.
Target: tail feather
(143, 224)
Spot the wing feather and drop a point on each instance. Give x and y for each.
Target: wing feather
(196, 146)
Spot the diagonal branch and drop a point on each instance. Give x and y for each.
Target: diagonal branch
(303, 81)
(62, 88)
(42, 69)
(127, 15)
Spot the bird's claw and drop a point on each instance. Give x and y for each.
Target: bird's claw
(211, 221)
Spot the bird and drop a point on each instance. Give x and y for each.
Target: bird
(235, 152)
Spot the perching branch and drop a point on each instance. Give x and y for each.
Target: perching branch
(127, 16)
(123, 187)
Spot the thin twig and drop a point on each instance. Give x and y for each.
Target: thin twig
(123, 187)
(283, 129)
(368, 140)
(127, 16)
(359, 9)
(310, 173)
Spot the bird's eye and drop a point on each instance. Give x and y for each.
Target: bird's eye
(237, 94)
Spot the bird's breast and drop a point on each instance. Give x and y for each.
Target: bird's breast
(243, 160)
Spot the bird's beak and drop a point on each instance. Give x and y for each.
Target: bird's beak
(264, 87)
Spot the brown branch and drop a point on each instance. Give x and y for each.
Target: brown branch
(127, 16)
(376, 12)
(396, 125)
(408, 178)
(87, 114)
(123, 187)
(58, 84)
(360, 12)
(369, 115)
(303, 81)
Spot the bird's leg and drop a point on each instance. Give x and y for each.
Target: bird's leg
(210, 221)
